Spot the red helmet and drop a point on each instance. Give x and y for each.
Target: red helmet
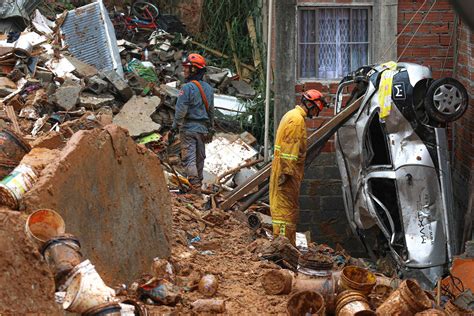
(314, 97)
(195, 60)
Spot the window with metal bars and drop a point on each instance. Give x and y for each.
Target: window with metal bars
(332, 41)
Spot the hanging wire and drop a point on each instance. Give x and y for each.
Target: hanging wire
(401, 32)
(447, 51)
(416, 31)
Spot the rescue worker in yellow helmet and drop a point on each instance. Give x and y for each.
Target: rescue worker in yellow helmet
(288, 164)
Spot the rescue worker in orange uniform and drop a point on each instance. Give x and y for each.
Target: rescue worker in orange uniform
(288, 164)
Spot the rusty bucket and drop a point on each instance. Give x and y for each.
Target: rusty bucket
(12, 149)
(349, 302)
(408, 299)
(452, 309)
(324, 285)
(356, 279)
(277, 282)
(379, 294)
(306, 303)
(62, 253)
(43, 225)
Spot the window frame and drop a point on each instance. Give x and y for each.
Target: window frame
(316, 6)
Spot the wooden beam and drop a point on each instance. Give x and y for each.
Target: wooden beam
(323, 133)
(234, 49)
(12, 116)
(257, 59)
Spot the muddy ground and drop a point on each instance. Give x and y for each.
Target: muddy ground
(235, 266)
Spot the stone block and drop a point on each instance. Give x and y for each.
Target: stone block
(113, 196)
(321, 187)
(309, 202)
(121, 85)
(306, 216)
(83, 70)
(135, 115)
(67, 96)
(243, 89)
(44, 76)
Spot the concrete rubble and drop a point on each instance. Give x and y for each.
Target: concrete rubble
(94, 213)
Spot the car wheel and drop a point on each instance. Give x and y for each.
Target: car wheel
(446, 100)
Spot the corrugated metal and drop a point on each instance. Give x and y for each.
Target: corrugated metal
(90, 37)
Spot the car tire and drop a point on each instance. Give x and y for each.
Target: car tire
(446, 100)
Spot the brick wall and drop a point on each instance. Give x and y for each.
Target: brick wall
(434, 41)
(463, 129)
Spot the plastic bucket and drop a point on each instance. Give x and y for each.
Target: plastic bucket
(86, 290)
(324, 285)
(306, 303)
(62, 254)
(408, 299)
(43, 225)
(356, 279)
(379, 294)
(348, 303)
(104, 309)
(12, 146)
(14, 186)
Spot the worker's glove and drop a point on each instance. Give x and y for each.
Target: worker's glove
(209, 136)
(282, 179)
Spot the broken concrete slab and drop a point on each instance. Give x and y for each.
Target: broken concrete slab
(97, 85)
(83, 70)
(218, 77)
(244, 90)
(135, 115)
(121, 85)
(67, 96)
(28, 285)
(93, 102)
(113, 196)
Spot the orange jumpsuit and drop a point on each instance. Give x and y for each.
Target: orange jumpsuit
(289, 158)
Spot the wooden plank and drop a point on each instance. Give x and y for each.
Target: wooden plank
(257, 59)
(12, 116)
(234, 49)
(326, 131)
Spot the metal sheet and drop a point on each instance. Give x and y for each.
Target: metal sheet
(90, 37)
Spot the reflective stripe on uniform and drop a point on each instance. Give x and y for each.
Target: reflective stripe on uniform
(285, 155)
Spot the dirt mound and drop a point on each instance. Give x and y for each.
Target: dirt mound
(27, 285)
(112, 195)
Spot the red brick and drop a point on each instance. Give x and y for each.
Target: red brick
(407, 5)
(419, 52)
(425, 40)
(441, 52)
(299, 88)
(444, 28)
(329, 147)
(446, 40)
(333, 88)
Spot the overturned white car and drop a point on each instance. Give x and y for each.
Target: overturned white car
(394, 164)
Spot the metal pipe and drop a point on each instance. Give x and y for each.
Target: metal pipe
(267, 88)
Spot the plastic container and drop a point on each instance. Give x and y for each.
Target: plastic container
(208, 285)
(276, 282)
(356, 279)
(86, 290)
(408, 299)
(112, 309)
(306, 303)
(349, 302)
(62, 254)
(42, 225)
(14, 186)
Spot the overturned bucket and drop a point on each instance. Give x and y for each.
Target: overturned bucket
(349, 302)
(62, 253)
(42, 225)
(408, 299)
(356, 279)
(306, 303)
(12, 149)
(324, 285)
(86, 290)
(16, 184)
(276, 282)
